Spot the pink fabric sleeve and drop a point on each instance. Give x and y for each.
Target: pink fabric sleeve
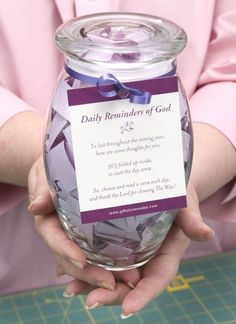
(10, 105)
(215, 104)
(215, 100)
(10, 195)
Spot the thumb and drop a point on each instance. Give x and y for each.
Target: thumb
(40, 201)
(189, 219)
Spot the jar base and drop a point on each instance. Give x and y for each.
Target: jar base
(110, 264)
(120, 268)
(136, 260)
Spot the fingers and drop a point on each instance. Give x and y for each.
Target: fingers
(75, 287)
(39, 195)
(129, 277)
(94, 276)
(193, 226)
(69, 255)
(190, 221)
(50, 230)
(96, 296)
(41, 204)
(78, 287)
(72, 258)
(158, 272)
(99, 296)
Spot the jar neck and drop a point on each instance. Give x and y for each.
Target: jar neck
(124, 72)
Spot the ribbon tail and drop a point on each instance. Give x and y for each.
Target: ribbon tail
(142, 98)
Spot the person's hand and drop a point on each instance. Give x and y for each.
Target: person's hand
(114, 288)
(155, 276)
(69, 256)
(160, 270)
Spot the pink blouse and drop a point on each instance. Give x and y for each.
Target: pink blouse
(207, 68)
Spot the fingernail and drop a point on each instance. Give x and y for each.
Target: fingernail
(59, 274)
(93, 306)
(212, 233)
(105, 285)
(130, 284)
(207, 234)
(123, 316)
(34, 202)
(77, 264)
(66, 295)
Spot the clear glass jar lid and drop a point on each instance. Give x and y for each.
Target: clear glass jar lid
(120, 38)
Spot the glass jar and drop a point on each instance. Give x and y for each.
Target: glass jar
(132, 47)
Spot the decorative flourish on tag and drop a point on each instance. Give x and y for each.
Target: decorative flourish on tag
(127, 127)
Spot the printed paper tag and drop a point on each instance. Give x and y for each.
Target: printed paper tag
(128, 157)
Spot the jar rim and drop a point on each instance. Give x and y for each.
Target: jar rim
(158, 39)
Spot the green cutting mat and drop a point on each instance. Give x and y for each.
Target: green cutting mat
(203, 292)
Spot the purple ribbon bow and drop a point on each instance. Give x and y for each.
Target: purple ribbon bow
(113, 87)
